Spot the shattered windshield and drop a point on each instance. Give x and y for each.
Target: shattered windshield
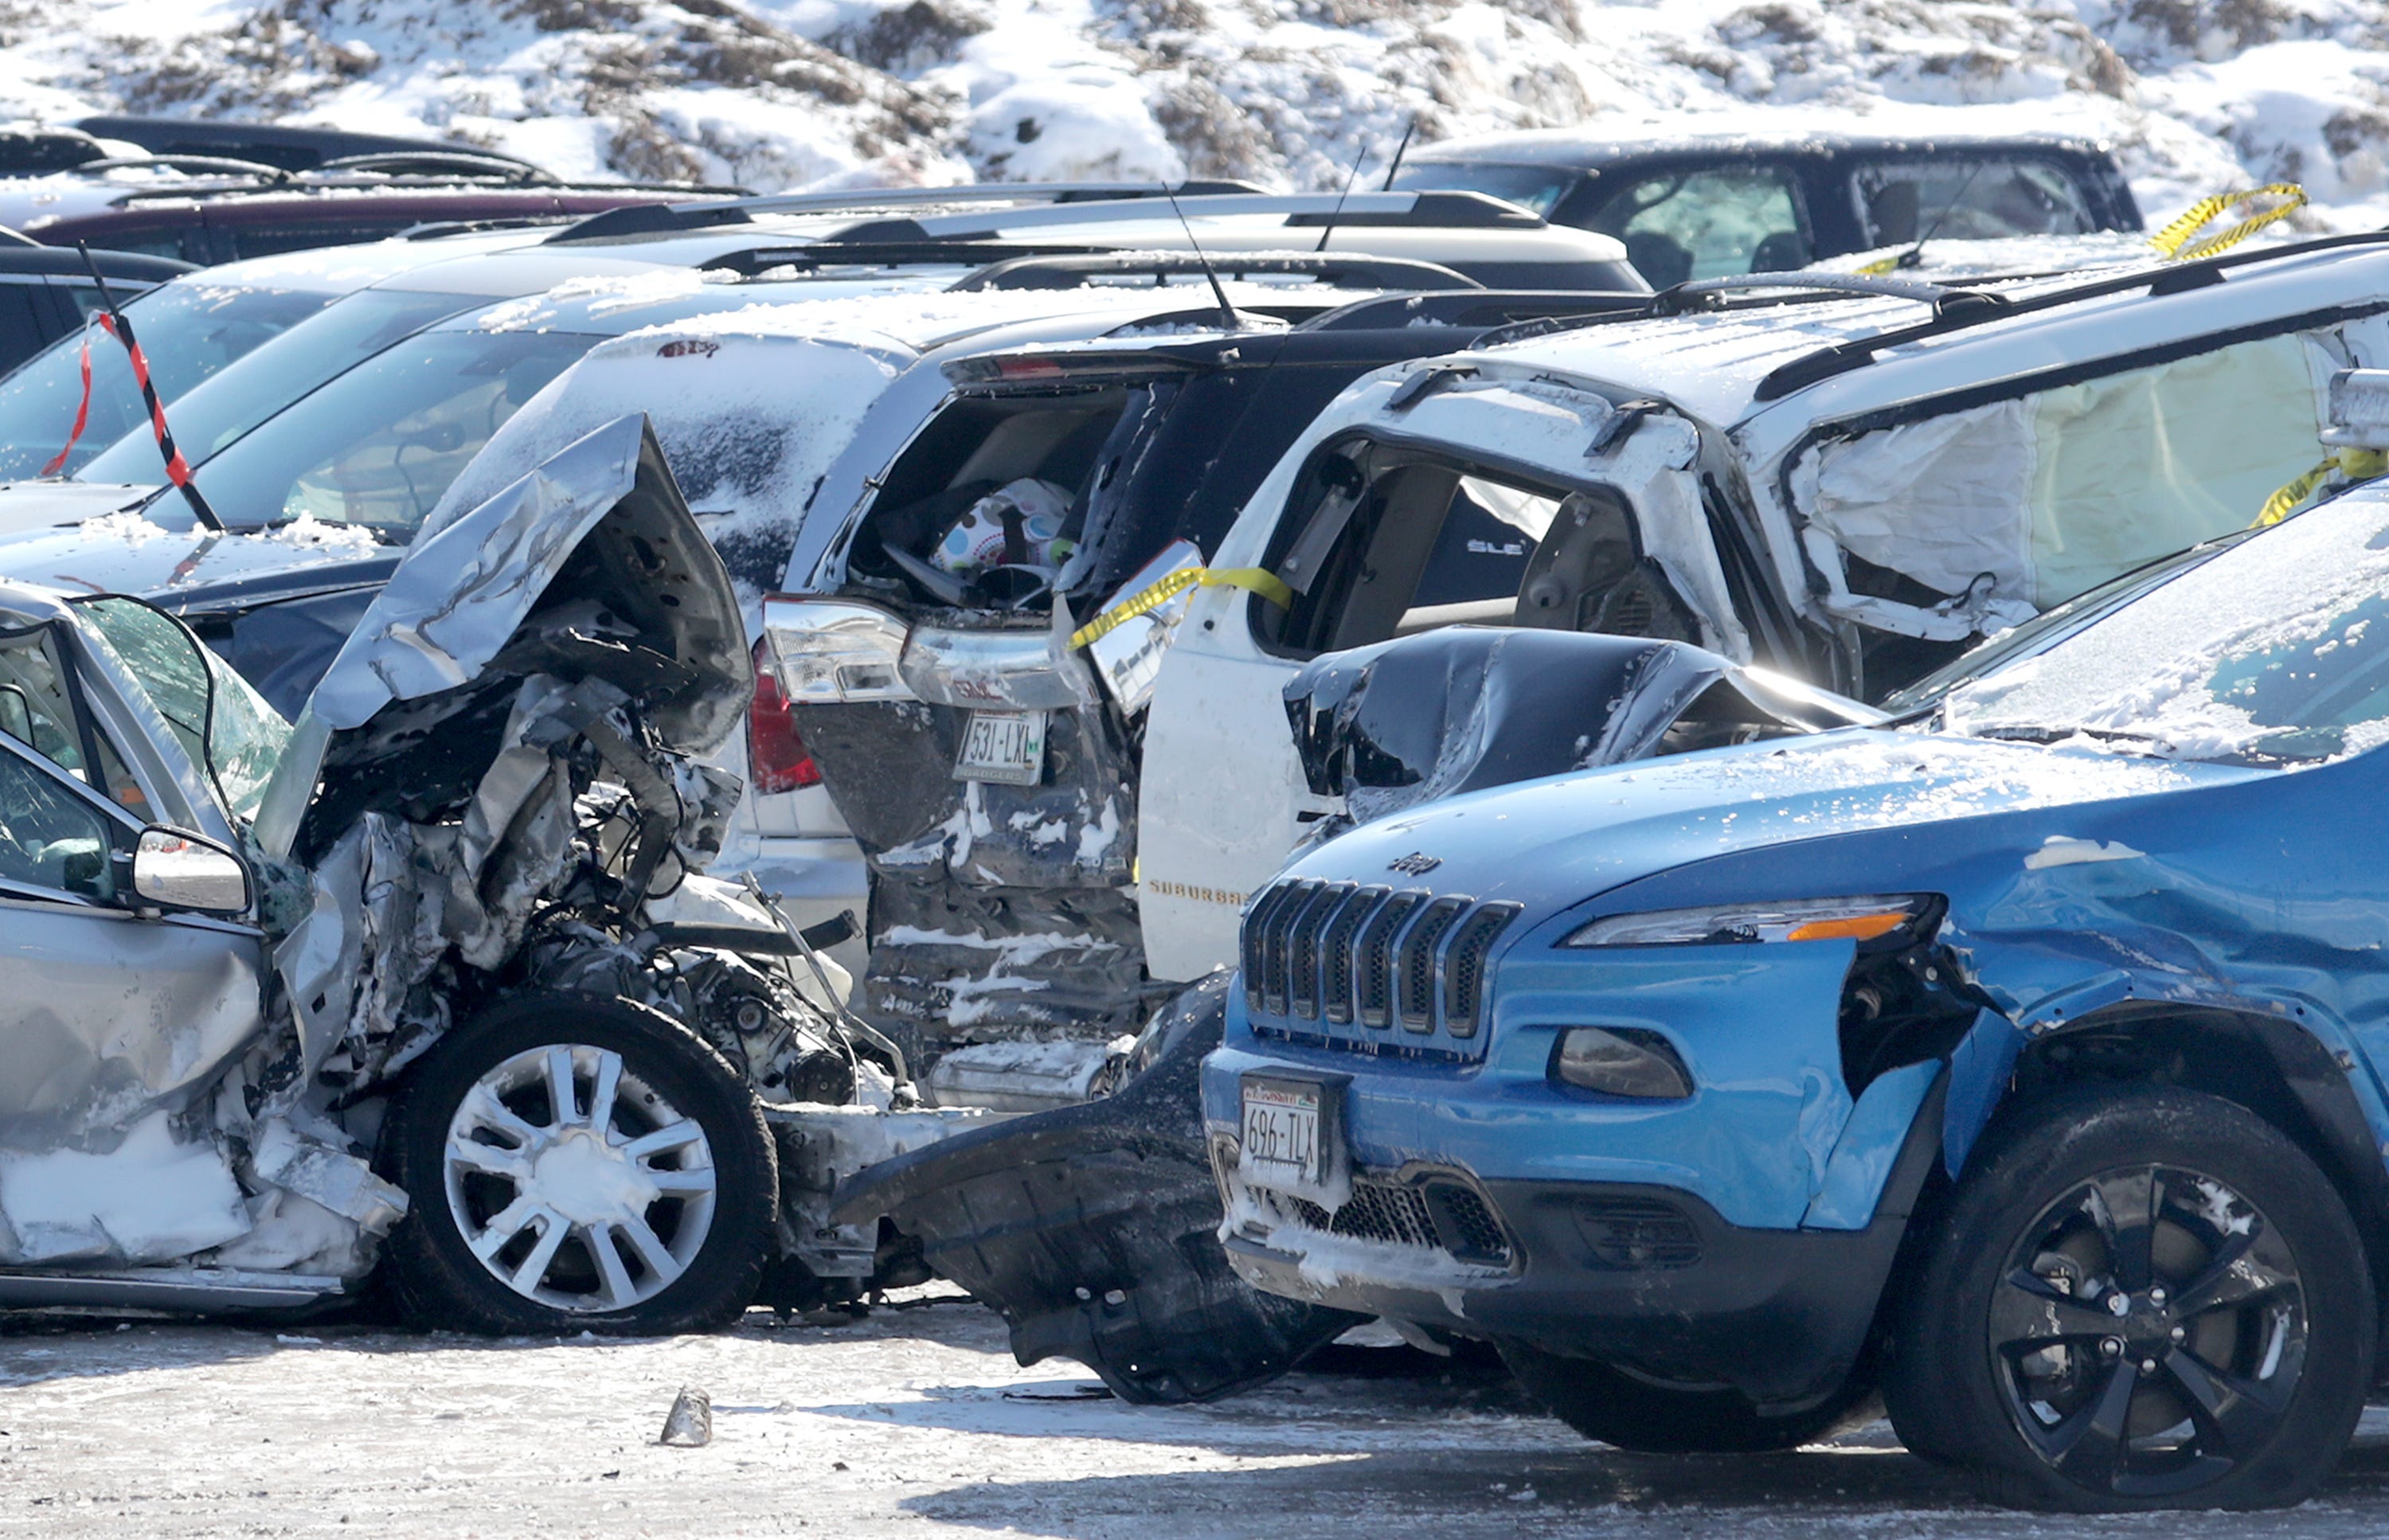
(224, 726)
(2275, 650)
(376, 447)
(188, 329)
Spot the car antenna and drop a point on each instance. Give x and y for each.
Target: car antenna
(1337, 212)
(1229, 321)
(1915, 254)
(178, 470)
(1399, 150)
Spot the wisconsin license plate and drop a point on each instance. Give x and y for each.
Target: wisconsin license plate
(1007, 747)
(1281, 1133)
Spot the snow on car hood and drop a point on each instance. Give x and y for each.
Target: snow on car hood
(1552, 843)
(597, 541)
(126, 553)
(30, 510)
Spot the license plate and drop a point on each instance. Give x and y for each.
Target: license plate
(1281, 1133)
(1007, 747)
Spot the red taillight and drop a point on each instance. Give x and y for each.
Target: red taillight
(776, 759)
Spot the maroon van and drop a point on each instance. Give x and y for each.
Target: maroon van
(255, 210)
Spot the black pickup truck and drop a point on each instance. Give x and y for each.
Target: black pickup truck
(1702, 206)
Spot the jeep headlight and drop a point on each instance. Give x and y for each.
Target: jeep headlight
(1862, 919)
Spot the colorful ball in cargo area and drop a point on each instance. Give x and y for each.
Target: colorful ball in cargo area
(980, 539)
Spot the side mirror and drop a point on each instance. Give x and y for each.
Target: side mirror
(173, 870)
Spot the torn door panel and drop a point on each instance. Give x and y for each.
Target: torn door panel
(1091, 1229)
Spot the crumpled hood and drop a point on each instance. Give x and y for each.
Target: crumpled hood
(1554, 843)
(595, 551)
(124, 552)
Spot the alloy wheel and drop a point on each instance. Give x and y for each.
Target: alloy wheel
(575, 1183)
(2149, 1331)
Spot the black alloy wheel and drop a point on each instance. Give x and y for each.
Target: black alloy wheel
(2144, 1300)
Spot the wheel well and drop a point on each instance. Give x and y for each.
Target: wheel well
(2272, 1067)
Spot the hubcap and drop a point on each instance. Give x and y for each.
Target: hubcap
(2149, 1331)
(575, 1183)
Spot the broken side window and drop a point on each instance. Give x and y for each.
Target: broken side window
(1387, 543)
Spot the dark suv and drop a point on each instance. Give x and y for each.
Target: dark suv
(1704, 207)
(44, 293)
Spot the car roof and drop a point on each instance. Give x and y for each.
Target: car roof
(1577, 149)
(1862, 351)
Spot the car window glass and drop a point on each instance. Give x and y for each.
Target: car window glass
(1967, 198)
(1537, 188)
(2275, 649)
(25, 323)
(223, 723)
(271, 240)
(40, 713)
(376, 447)
(50, 837)
(188, 329)
(1706, 224)
(272, 375)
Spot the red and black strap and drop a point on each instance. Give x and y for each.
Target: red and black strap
(114, 321)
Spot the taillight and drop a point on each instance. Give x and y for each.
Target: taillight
(777, 758)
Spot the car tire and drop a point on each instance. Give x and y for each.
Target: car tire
(1637, 1412)
(2121, 1266)
(662, 1226)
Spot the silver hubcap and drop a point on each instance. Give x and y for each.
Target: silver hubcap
(575, 1183)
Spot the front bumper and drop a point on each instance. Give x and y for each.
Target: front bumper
(1612, 1256)
(1646, 1277)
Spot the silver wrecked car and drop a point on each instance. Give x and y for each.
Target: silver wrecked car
(429, 980)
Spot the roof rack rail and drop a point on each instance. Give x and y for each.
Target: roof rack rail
(618, 224)
(1475, 308)
(1342, 272)
(222, 165)
(436, 229)
(436, 162)
(1693, 294)
(752, 260)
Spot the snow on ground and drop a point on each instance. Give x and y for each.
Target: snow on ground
(909, 1422)
(2197, 95)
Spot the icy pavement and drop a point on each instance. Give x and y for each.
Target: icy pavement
(909, 1422)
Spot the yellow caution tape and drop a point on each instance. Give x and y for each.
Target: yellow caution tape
(2358, 464)
(1249, 578)
(2173, 240)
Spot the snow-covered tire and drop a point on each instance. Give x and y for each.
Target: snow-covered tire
(1647, 1416)
(2123, 1264)
(646, 1208)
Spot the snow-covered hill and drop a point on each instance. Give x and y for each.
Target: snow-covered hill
(2197, 95)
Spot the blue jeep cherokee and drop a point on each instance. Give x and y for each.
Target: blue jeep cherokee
(2021, 1062)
